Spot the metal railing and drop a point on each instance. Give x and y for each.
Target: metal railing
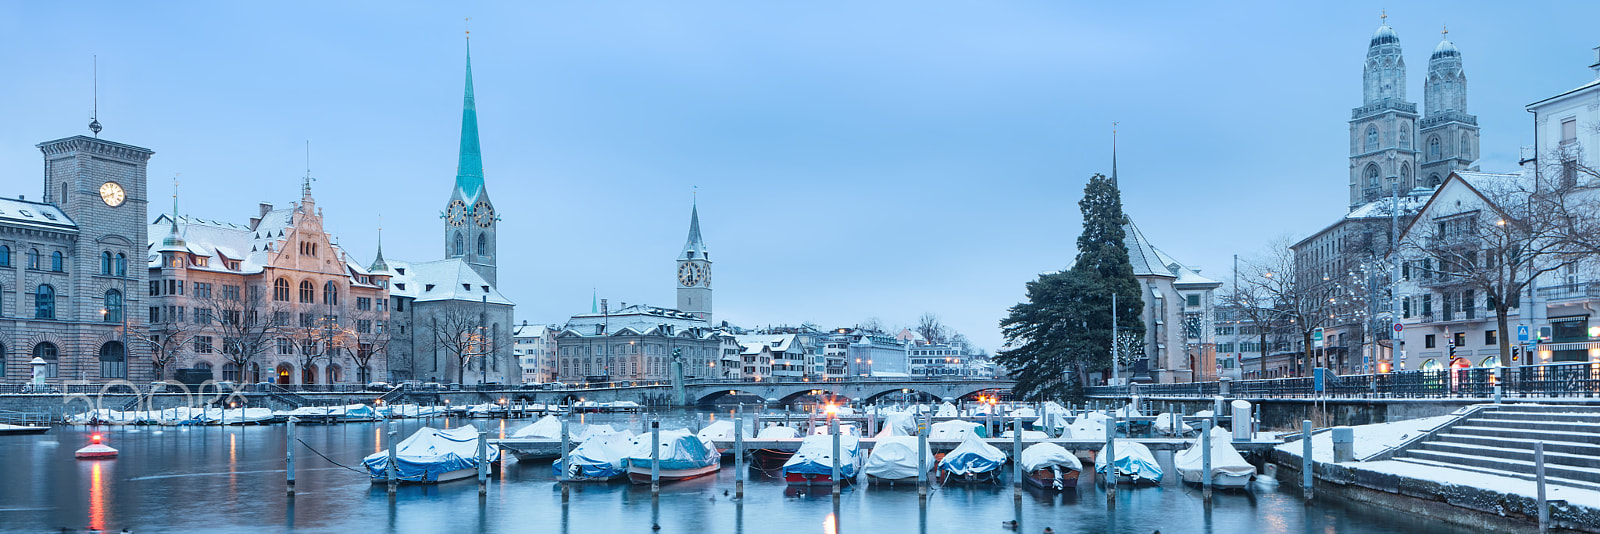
(1551, 380)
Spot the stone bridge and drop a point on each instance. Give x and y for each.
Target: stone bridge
(865, 390)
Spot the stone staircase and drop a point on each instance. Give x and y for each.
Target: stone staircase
(1499, 441)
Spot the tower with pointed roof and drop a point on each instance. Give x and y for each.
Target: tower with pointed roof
(694, 272)
(1449, 135)
(1382, 153)
(470, 220)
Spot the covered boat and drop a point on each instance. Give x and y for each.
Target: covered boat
(770, 459)
(1054, 419)
(955, 431)
(1134, 463)
(431, 455)
(1228, 468)
(601, 457)
(1164, 424)
(547, 427)
(681, 455)
(1050, 466)
(720, 431)
(1091, 426)
(894, 459)
(812, 464)
(946, 410)
(972, 461)
(898, 424)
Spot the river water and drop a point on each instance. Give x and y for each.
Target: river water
(212, 479)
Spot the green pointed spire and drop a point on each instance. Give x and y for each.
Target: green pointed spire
(594, 303)
(469, 169)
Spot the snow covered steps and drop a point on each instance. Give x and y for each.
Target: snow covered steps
(1500, 441)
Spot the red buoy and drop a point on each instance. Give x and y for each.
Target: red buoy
(95, 450)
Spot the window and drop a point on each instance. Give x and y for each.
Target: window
(1372, 176)
(308, 346)
(483, 245)
(230, 292)
(383, 305)
(44, 302)
(113, 360)
(155, 314)
(1466, 146)
(280, 318)
(105, 263)
(1194, 301)
(330, 294)
(1569, 131)
(1433, 148)
(1405, 308)
(1469, 304)
(285, 346)
(55, 261)
(202, 290)
(307, 320)
(1490, 338)
(230, 371)
(1405, 174)
(5, 256)
(1372, 138)
(202, 344)
(1429, 342)
(52, 359)
(202, 316)
(280, 290)
(33, 258)
(363, 326)
(1405, 139)
(460, 246)
(121, 265)
(308, 292)
(363, 303)
(1459, 338)
(113, 312)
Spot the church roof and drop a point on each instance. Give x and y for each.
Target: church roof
(1145, 260)
(469, 166)
(1384, 35)
(440, 280)
(695, 244)
(1445, 49)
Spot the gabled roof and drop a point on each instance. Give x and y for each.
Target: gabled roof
(1145, 260)
(1477, 183)
(35, 215)
(441, 280)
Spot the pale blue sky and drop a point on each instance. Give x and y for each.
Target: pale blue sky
(854, 161)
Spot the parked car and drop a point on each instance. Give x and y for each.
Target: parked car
(531, 385)
(432, 386)
(553, 385)
(379, 386)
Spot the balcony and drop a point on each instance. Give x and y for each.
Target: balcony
(1438, 118)
(1576, 291)
(1383, 105)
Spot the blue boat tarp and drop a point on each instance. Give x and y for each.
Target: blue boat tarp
(972, 457)
(679, 450)
(599, 457)
(815, 456)
(431, 452)
(1133, 460)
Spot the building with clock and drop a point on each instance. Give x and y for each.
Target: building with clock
(66, 288)
(450, 322)
(694, 272)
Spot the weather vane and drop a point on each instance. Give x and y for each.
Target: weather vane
(94, 119)
(467, 23)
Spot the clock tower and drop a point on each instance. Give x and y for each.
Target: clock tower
(694, 272)
(470, 220)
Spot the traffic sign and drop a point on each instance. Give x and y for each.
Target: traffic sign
(1316, 338)
(1522, 333)
(1399, 327)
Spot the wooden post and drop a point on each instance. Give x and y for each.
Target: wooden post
(1205, 463)
(1306, 464)
(922, 462)
(833, 426)
(483, 463)
(738, 456)
(1110, 454)
(1016, 457)
(290, 454)
(655, 458)
(392, 472)
(566, 463)
(1538, 475)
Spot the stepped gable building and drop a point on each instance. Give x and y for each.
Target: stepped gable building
(451, 324)
(275, 300)
(66, 292)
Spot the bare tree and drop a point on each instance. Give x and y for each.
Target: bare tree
(1253, 303)
(871, 324)
(458, 332)
(363, 342)
(1306, 299)
(932, 331)
(243, 321)
(166, 340)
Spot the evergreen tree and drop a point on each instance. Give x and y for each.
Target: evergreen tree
(1065, 325)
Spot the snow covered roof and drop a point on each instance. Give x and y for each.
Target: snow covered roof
(778, 342)
(1146, 261)
(447, 279)
(34, 214)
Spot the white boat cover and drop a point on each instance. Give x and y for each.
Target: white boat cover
(1091, 426)
(720, 431)
(815, 456)
(848, 429)
(946, 410)
(953, 430)
(431, 452)
(679, 450)
(1055, 417)
(1128, 411)
(547, 427)
(1224, 458)
(895, 457)
(898, 424)
(1025, 413)
(602, 454)
(1026, 434)
(1133, 460)
(972, 456)
(778, 432)
(1164, 424)
(1042, 455)
(588, 432)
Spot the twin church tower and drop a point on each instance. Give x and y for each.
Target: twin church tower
(1393, 150)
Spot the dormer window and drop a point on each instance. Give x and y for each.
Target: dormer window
(400, 285)
(467, 287)
(428, 287)
(401, 270)
(691, 254)
(485, 289)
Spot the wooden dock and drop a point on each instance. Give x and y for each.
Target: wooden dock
(551, 448)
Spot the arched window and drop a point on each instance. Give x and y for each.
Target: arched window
(1405, 139)
(113, 360)
(308, 292)
(280, 290)
(1372, 138)
(1433, 180)
(44, 302)
(121, 264)
(483, 245)
(1405, 174)
(105, 263)
(33, 258)
(5, 256)
(113, 306)
(2, 360)
(1466, 146)
(55, 261)
(330, 294)
(460, 246)
(1372, 175)
(52, 360)
(335, 373)
(1433, 148)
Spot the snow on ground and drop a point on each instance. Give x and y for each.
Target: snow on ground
(1370, 439)
(1458, 477)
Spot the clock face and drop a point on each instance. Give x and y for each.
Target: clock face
(483, 214)
(112, 194)
(456, 213)
(690, 274)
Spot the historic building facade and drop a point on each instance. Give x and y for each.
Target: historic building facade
(275, 300)
(694, 272)
(637, 343)
(67, 293)
(451, 322)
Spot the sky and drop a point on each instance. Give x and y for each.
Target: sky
(849, 160)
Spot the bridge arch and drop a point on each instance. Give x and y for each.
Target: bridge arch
(713, 396)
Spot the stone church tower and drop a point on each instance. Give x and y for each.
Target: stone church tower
(1449, 135)
(694, 272)
(1382, 130)
(470, 221)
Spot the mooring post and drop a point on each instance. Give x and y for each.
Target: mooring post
(1016, 457)
(833, 427)
(483, 463)
(566, 465)
(655, 458)
(1205, 461)
(922, 463)
(1306, 464)
(1110, 454)
(1538, 476)
(738, 456)
(392, 470)
(290, 453)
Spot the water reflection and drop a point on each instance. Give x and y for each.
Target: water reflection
(97, 495)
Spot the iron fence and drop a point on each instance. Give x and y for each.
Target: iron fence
(1551, 380)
